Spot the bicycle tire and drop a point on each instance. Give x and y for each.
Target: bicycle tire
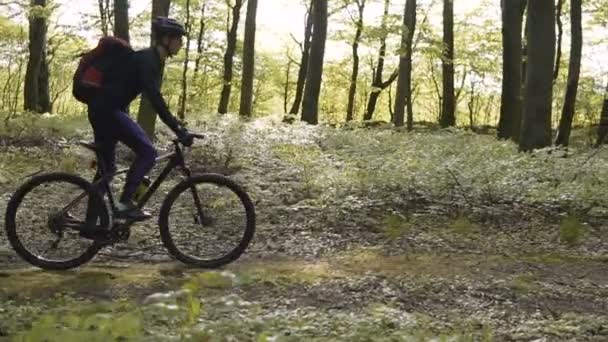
(13, 207)
(220, 181)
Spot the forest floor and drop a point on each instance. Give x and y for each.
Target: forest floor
(362, 235)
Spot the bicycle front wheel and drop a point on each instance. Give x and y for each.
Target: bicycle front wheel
(44, 218)
(207, 221)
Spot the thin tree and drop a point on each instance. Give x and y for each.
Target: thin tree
(146, 116)
(181, 113)
(448, 107)
(245, 108)
(231, 36)
(574, 69)
(404, 83)
(352, 91)
(199, 41)
(36, 89)
(560, 34)
(305, 55)
(378, 85)
(103, 19)
(287, 83)
(121, 19)
(602, 128)
(310, 104)
(512, 55)
(538, 90)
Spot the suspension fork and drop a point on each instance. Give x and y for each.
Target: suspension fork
(197, 201)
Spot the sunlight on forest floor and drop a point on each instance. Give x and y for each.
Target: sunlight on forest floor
(362, 234)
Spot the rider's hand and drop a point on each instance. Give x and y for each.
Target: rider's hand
(184, 137)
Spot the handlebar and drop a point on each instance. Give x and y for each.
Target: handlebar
(194, 135)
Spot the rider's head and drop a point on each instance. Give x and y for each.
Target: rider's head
(168, 34)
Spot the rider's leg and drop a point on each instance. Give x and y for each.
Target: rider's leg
(132, 135)
(105, 141)
(107, 152)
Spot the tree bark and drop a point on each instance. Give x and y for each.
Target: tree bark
(103, 20)
(538, 92)
(602, 129)
(229, 57)
(310, 104)
(199, 41)
(574, 68)
(286, 86)
(377, 84)
(352, 91)
(245, 108)
(560, 33)
(44, 90)
(448, 117)
(37, 69)
(146, 117)
(512, 57)
(404, 83)
(181, 113)
(121, 19)
(305, 47)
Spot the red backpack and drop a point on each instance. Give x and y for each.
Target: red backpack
(95, 64)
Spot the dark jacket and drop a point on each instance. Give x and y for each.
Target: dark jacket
(139, 74)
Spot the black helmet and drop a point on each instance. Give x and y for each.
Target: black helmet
(167, 26)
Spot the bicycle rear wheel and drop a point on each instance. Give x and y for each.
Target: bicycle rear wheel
(44, 217)
(211, 234)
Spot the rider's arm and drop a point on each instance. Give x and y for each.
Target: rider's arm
(151, 89)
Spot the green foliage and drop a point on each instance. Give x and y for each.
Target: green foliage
(462, 226)
(209, 280)
(87, 321)
(571, 231)
(523, 283)
(395, 226)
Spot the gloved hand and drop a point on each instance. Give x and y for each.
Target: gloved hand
(184, 137)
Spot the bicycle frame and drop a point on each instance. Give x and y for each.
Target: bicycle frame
(176, 159)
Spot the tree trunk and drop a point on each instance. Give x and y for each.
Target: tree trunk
(448, 117)
(602, 129)
(16, 91)
(404, 83)
(121, 19)
(44, 93)
(436, 87)
(310, 104)
(574, 68)
(377, 84)
(229, 57)
(538, 92)
(560, 33)
(512, 55)
(245, 108)
(471, 106)
(352, 91)
(146, 117)
(181, 113)
(305, 46)
(36, 65)
(103, 20)
(199, 41)
(286, 87)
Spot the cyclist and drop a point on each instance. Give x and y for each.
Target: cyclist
(140, 73)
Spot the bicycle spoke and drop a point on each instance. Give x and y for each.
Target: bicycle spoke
(48, 219)
(208, 223)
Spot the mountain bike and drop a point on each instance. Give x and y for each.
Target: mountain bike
(206, 220)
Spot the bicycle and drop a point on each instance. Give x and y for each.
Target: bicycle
(201, 216)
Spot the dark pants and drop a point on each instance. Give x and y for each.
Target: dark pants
(111, 126)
